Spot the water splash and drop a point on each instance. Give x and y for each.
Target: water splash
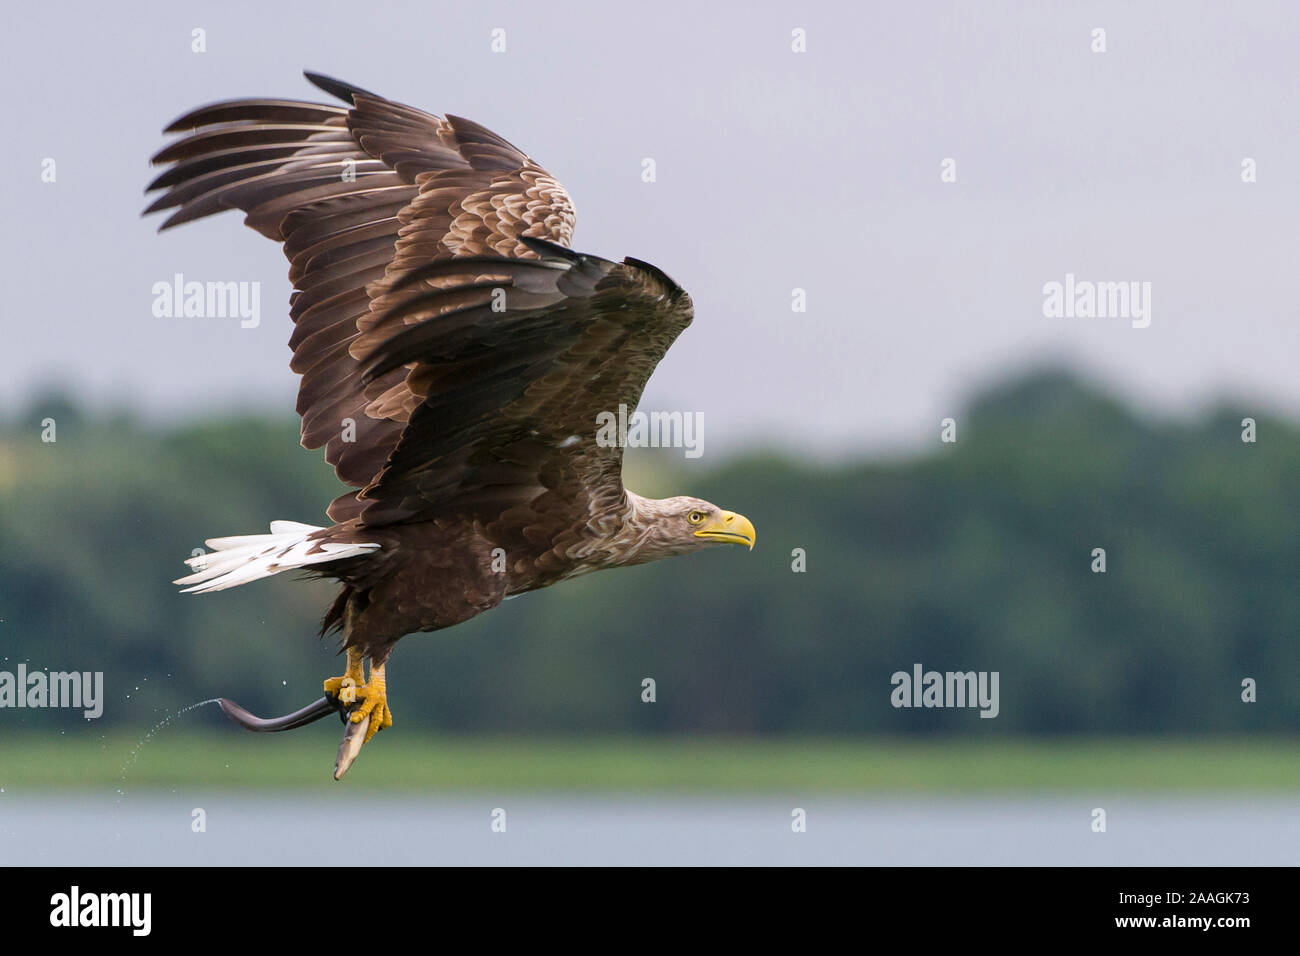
(134, 755)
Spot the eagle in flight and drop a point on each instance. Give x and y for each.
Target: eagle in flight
(454, 355)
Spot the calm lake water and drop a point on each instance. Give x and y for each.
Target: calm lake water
(255, 828)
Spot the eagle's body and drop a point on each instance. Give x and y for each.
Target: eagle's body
(454, 356)
(428, 575)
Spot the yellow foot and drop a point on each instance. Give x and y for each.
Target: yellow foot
(345, 688)
(372, 700)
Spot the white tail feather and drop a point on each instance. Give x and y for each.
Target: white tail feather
(242, 558)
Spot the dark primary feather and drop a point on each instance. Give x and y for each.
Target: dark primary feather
(400, 226)
(344, 91)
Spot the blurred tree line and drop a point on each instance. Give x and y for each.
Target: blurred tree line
(975, 556)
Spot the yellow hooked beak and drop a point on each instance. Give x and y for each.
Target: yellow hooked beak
(729, 528)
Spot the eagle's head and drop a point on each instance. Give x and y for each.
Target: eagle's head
(660, 527)
(701, 523)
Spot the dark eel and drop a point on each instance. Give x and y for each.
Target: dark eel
(354, 734)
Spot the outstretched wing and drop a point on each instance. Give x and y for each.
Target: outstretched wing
(438, 309)
(513, 361)
(359, 197)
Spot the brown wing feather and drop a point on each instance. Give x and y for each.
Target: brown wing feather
(359, 197)
(511, 385)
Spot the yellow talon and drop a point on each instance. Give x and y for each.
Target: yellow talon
(344, 688)
(373, 699)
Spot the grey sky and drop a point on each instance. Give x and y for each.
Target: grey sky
(775, 170)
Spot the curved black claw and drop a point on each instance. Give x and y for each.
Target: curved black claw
(299, 718)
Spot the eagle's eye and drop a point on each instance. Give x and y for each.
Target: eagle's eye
(695, 517)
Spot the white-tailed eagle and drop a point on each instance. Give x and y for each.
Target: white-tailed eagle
(454, 354)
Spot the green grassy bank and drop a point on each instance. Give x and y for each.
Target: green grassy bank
(413, 762)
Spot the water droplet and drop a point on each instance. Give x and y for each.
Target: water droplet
(134, 755)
